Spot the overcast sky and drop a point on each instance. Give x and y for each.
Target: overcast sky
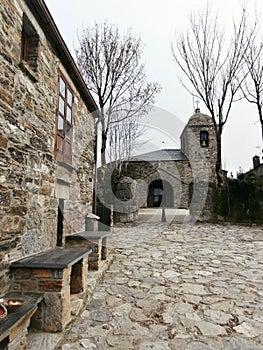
(157, 22)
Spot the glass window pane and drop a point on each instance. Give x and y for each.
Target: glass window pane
(69, 114)
(68, 132)
(61, 105)
(62, 87)
(69, 98)
(60, 124)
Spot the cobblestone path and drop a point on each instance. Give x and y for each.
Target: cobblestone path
(170, 288)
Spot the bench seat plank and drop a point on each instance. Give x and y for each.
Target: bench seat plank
(89, 235)
(58, 258)
(26, 310)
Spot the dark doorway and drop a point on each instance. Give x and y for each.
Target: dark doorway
(60, 222)
(160, 192)
(157, 196)
(104, 213)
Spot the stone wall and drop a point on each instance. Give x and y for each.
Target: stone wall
(178, 174)
(31, 181)
(190, 183)
(203, 163)
(202, 159)
(258, 171)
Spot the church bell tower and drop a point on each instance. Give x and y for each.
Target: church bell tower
(198, 143)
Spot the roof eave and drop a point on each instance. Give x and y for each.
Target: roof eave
(45, 20)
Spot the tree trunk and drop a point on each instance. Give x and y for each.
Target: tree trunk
(219, 156)
(103, 147)
(218, 198)
(261, 122)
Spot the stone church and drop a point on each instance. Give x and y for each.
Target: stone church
(174, 178)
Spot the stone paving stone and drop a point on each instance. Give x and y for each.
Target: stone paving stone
(177, 288)
(240, 344)
(154, 346)
(217, 316)
(42, 340)
(196, 345)
(249, 329)
(210, 329)
(120, 342)
(87, 344)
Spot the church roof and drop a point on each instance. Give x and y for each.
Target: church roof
(162, 154)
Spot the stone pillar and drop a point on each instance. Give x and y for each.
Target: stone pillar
(18, 338)
(256, 161)
(94, 257)
(56, 303)
(54, 285)
(78, 276)
(203, 201)
(127, 209)
(105, 248)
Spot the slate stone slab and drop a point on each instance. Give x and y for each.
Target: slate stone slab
(88, 235)
(26, 310)
(58, 258)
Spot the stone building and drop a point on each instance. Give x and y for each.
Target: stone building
(257, 167)
(175, 178)
(46, 135)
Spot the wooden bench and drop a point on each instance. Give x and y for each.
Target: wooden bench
(14, 326)
(98, 241)
(56, 274)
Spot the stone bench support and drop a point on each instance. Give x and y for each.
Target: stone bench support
(56, 274)
(97, 241)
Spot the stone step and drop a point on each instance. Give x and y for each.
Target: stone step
(154, 215)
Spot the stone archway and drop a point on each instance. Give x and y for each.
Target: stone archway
(160, 192)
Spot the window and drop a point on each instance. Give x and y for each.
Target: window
(63, 147)
(29, 44)
(24, 47)
(204, 138)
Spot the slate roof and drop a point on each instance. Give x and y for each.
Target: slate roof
(162, 155)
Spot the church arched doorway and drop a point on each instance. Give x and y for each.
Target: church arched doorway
(160, 192)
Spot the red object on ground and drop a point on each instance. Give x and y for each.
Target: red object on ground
(3, 311)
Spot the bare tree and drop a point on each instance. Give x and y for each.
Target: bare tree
(213, 65)
(111, 66)
(122, 138)
(253, 86)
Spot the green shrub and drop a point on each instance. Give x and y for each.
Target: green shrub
(242, 199)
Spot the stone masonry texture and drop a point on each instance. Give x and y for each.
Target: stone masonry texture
(31, 181)
(185, 287)
(191, 183)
